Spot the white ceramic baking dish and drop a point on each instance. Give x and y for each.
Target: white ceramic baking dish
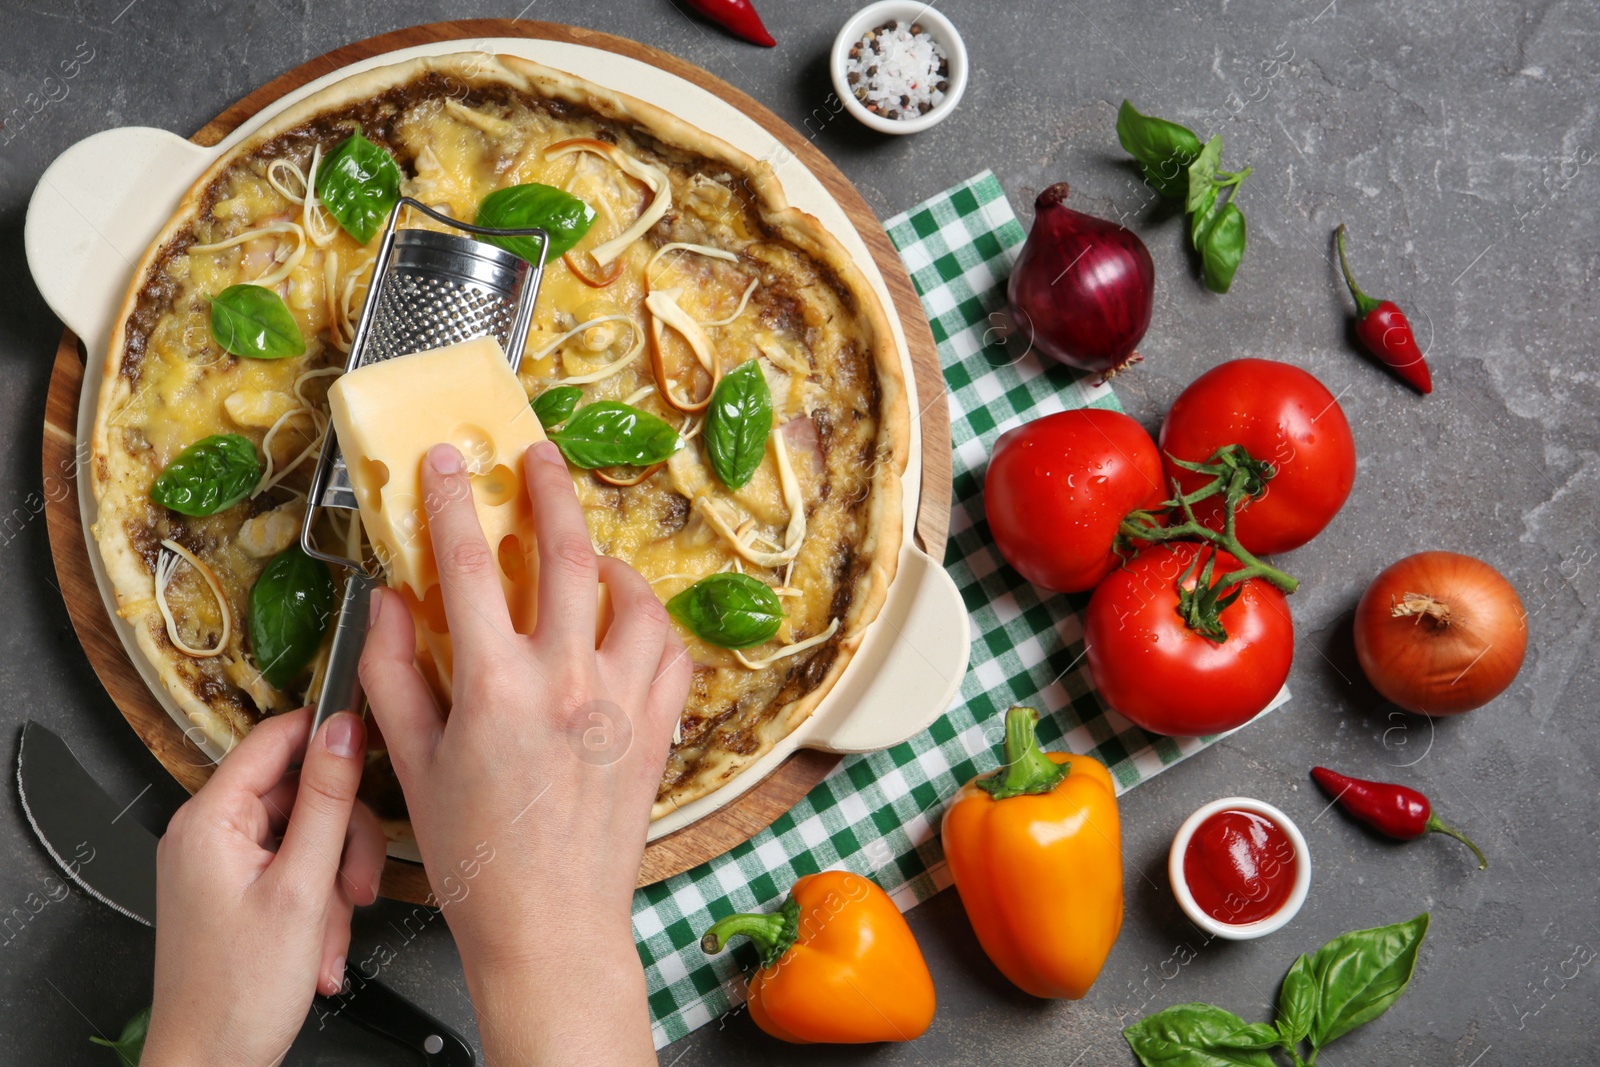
(100, 204)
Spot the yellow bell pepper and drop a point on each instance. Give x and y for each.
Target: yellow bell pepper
(1036, 852)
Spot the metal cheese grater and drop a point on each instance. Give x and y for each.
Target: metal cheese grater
(428, 289)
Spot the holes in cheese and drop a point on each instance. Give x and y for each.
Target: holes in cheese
(387, 415)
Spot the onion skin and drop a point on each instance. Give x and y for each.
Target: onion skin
(1083, 288)
(1440, 666)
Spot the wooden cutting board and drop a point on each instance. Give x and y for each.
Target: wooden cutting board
(679, 851)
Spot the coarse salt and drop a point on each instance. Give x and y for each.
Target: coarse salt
(898, 71)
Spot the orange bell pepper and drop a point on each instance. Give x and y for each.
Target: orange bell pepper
(838, 964)
(1036, 853)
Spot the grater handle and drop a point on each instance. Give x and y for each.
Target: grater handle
(341, 684)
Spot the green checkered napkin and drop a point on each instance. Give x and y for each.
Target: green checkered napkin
(879, 814)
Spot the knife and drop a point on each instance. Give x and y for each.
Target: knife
(113, 859)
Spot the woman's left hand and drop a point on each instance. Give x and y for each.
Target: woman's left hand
(248, 933)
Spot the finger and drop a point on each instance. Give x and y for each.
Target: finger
(469, 579)
(669, 689)
(314, 839)
(400, 698)
(335, 946)
(278, 802)
(365, 850)
(568, 571)
(257, 763)
(639, 626)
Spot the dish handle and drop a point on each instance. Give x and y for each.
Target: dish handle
(923, 640)
(92, 215)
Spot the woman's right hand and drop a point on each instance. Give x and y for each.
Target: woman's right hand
(531, 799)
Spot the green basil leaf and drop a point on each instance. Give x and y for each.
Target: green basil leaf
(738, 421)
(213, 473)
(1163, 149)
(252, 321)
(1254, 1036)
(1201, 173)
(612, 434)
(560, 214)
(1194, 1035)
(129, 1045)
(1360, 974)
(291, 605)
(1221, 247)
(1297, 1001)
(1205, 215)
(359, 184)
(555, 405)
(729, 609)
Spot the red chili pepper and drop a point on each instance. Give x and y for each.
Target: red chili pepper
(736, 16)
(1383, 328)
(1396, 810)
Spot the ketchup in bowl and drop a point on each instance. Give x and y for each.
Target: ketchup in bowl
(1240, 866)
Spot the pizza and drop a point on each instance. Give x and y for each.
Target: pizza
(694, 277)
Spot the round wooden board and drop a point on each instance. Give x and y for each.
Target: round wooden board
(679, 851)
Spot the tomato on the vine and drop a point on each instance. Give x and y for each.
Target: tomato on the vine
(1158, 672)
(1058, 487)
(1279, 414)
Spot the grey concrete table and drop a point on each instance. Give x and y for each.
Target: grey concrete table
(1455, 139)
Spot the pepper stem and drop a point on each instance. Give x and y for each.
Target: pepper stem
(1434, 826)
(1365, 305)
(772, 934)
(1027, 769)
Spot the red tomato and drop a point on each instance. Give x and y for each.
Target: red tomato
(1058, 487)
(1281, 414)
(1163, 676)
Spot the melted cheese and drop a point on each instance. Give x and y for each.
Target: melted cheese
(386, 416)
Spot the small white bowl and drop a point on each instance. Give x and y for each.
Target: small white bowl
(942, 31)
(1241, 931)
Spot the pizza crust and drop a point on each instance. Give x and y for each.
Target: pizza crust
(879, 547)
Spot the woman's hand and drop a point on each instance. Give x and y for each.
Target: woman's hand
(531, 800)
(246, 935)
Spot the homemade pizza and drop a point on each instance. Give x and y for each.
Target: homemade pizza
(718, 372)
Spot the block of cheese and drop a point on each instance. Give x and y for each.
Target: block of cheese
(386, 417)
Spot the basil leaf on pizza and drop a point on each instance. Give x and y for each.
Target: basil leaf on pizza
(556, 405)
(612, 434)
(522, 207)
(738, 421)
(214, 473)
(359, 184)
(252, 321)
(729, 609)
(291, 605)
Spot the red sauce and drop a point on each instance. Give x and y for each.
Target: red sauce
(1240, 867)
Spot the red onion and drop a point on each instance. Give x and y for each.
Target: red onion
(1083, 287)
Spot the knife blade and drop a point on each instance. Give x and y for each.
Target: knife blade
(112, 857)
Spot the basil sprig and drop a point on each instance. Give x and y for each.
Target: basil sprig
(560, 214)
(556, 404)
(291, 605)
(1351, 980)
(1178, 167)
(609, 433)
(129, 1045)
(729, 609)
(252, 321)
(359, 184)
(213, 473)
(738, 421)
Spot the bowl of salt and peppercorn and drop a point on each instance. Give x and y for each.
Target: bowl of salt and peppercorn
(899, 66)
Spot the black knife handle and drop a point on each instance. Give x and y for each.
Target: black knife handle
(376, 1007)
